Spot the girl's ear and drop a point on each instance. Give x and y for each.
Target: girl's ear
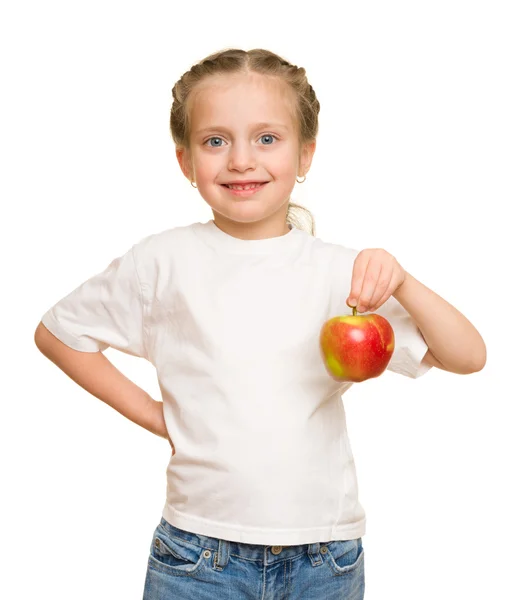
(306, 157)
(183, 158)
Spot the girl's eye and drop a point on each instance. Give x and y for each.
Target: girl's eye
(270, 138)
(214, 138)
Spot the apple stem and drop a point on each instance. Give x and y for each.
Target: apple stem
(354, 311)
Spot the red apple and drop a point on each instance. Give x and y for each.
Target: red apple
(356, 347)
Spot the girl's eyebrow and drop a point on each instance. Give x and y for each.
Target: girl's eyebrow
(256, 126)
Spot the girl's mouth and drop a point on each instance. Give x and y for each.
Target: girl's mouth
(246, 190)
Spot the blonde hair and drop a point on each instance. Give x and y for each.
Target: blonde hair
(234, 60)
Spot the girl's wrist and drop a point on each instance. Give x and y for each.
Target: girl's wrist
(158, 419)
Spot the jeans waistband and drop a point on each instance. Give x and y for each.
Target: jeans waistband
(260, 552)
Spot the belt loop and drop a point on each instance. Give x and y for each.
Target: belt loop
(314, 554)
(222, 555)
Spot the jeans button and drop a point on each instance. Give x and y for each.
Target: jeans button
(276, 549)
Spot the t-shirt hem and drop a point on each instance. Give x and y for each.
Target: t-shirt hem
(253, 535)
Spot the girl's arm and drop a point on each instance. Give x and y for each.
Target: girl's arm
(95, 373)
(451, 337)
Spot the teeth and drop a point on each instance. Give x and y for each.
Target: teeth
(244, 187)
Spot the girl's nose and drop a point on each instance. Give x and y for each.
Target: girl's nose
(241, 157)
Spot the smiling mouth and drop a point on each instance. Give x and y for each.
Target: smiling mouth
(248, 186)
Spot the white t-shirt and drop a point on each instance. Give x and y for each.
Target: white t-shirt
(232, 327)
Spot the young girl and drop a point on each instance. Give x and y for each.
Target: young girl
(262, 498)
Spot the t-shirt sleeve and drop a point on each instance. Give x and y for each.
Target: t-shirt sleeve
(409, 345)
(106, 310)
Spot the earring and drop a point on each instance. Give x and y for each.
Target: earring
(192, 184)
(302, 180)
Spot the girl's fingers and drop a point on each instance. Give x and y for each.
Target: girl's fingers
(382, 285)
(357, 278)
(374, 279)
(391, 288)
(386, 295)
(370, 284)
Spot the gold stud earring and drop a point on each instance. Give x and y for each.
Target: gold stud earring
(192, 184)
(302, 180)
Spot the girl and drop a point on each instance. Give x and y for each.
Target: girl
(262, 499)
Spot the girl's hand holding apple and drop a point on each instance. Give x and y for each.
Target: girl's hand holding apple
(358, 347)
(376, 276)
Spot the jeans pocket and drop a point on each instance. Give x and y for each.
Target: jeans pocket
(175, 556)
(344, 556)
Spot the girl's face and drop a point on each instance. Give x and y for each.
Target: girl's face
(242, 130)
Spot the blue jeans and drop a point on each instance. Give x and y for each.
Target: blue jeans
(188, 566)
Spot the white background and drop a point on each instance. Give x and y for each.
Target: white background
(418, 153)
